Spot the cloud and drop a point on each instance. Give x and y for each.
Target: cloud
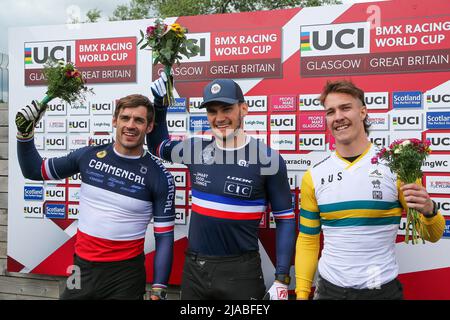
(18, 13)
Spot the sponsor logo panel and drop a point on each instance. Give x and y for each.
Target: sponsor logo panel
(178, 106)
(55, 210)
(312, 122)
(284, 142)
(315, 142)
(407, 99)
(33, 193)
(376, 100)
(411, 120)
(256, 103)
(335, 39)
(379, 121)
(309, 102)
(255, 123)
(438, 141)
(438, 120)
(282, 103)
(285, 122)
(56, 142)
(176, 123)
(438, 184)
(33, 210)
(73, 211)
(56, 125)
(53, 193)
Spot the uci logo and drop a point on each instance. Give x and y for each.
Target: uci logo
(282, 123)
(438, 98)
(438, 141)
(311, 142)
(39, 53)
(179, 179)
(379, 141)
(375, 100)
(335, 39)
(414, 120)
(73, 211)
(176, 123)
(32, 210)
(101, 106)
(55, 142)
(445, 206)
(56, 107)
(78, 124)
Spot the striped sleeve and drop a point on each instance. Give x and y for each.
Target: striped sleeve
(308, 240)
(309, 222)
(35, 168)
(164, 222)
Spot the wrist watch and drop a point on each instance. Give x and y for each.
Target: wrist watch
(283, 278)
(435, 211)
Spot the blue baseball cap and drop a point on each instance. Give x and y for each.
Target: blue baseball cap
(222, 90)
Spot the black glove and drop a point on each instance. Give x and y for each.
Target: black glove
(27, 118)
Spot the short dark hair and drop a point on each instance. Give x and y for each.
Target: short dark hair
(134, 101)
(348, 87)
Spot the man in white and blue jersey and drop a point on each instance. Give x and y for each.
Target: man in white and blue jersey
(357, 205)
(123, 187)
(234, 179)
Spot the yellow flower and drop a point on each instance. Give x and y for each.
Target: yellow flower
(178, 29)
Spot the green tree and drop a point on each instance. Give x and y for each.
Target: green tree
(137, 9)
(93, 15)
(142, 9)
(193, 7)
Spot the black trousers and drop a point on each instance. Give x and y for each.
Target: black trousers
(326, 290)
(118, 280)
(222, 278)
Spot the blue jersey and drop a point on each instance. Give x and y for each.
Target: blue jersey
(119, 196)
(231, 190)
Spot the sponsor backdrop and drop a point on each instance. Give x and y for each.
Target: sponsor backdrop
(398, 52)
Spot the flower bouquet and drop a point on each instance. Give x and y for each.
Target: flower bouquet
(168, 44)
(405, 158)
(64, 81)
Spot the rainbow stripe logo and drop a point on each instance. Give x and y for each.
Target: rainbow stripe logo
(28, 56)
(301, 103)
(394, 121)
(304, 41)
(301, 142)
(429, 99)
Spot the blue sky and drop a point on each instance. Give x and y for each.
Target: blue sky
(15, 13)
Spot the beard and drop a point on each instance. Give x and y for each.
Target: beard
(230, 136)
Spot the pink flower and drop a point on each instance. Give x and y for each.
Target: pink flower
(150, 30)
(395, 143)
(374, 160)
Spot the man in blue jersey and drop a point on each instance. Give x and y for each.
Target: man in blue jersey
(234, 178)
(358, 206)
(122, 188)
